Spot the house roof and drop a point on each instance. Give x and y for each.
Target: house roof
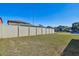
(21, 23)
(12, 22)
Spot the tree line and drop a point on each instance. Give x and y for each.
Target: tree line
(73, 28)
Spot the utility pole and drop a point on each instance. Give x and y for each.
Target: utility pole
(34, 19)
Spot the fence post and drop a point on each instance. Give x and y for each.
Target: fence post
(18, 30)
(49, 30)
(28, 30)
(1, 31)
(46, 30)
(41, 30)
(36, 30)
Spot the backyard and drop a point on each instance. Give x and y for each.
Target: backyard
(41, 45)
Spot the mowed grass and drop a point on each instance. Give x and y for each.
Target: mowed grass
(41, 45)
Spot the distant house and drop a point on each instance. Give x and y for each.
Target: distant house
(21, 23)
(75, 27)
(1, 21)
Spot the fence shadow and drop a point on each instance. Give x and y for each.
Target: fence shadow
(72, 48)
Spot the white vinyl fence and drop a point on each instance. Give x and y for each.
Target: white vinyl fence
(10, 31)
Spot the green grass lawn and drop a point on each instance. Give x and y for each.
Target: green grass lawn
(47, 45)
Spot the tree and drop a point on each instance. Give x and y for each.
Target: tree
(49, 27)
(61, 28)
(41, 25)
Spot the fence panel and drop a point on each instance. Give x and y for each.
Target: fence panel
(32, 31)
(8, 31)
(23, 31)
(47, 31)
(44, 30)
(38, 30)
(52, 31)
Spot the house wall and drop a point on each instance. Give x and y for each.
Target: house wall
(1, 22)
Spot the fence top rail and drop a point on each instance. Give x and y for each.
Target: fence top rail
(27, 26)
